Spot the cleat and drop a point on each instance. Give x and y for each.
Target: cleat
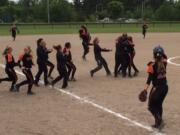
(91, 73)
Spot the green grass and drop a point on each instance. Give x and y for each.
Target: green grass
(93, 28)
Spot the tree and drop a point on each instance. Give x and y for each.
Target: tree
(3, 2)
(166, 12)
(115, 9)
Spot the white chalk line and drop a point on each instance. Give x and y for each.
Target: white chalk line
(84, 100)
(173, 63)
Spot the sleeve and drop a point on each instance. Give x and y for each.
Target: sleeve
(150, 68)
(150, 72)
(104, 49)
(42, 55)
(149, 79)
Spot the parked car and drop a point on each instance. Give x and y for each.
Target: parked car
(131, 20)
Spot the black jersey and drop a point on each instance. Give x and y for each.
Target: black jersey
(61, 60)
(156, 76)
(98, 50)
(26, 60)
(10, 62)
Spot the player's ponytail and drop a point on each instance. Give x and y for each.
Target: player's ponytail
(6, 50)
(57, 47)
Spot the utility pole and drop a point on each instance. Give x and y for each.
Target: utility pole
(48, 11)
(142, 10)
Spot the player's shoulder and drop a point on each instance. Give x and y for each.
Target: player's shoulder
(150, 67)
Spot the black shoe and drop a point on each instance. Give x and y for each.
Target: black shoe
(64, 86)
(136, 73)
(84, 58)
(30, 93)
(157, 124)
(16, 88)
(36, 84)
(47, 83)
(91, 73)
(11, 89)
(109, 74)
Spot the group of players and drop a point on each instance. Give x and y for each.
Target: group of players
(65, 66)
(124, 60)
(124, 55)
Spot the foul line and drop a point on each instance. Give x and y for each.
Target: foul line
(84, 100)
(173, 63)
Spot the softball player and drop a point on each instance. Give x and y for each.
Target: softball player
(157, 76)
(42, 62)
(70, 65)
(61, 67)
(144, 29)
(86, 38)
(101, 62)
(9, 69)
(26, 66)
(14, 31)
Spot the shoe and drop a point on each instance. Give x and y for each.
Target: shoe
(46, 84)
(109, 74)
(91, 73)
(30, 93)
(11, 90)
(84, 58)
(16, 88)
(161, 126)
(158, 123)
(64, 86)
(36, 84)
(136, 73)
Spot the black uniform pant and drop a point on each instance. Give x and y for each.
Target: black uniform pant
(42, 68)
(71, 68)
(118, 62)
(51, 65)
(12, 77)
(144, 33)
(156, 98)
(62, 75)
(29, 80)
(101, 62)
(125, 63)
(14, 35)
(86, 49)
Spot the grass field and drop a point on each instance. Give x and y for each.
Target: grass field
(94, 28)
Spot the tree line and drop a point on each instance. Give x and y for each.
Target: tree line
(88, 10)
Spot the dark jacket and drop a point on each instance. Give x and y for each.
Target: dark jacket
(41, 55)
(10, 62)
(98, 50)
(26, 60)
(61, 60)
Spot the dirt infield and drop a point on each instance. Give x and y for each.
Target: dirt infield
(50, 112)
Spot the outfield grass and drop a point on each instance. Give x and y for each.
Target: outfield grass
(93, 28)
